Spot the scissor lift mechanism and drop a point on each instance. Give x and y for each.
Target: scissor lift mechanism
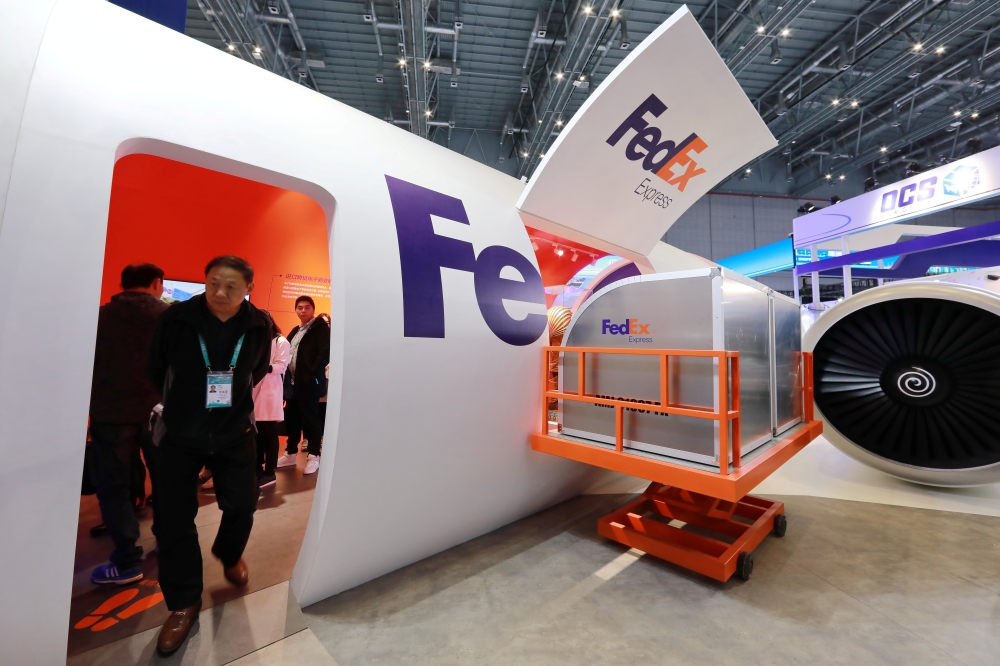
(680, 495)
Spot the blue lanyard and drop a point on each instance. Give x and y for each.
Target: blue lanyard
(236, 352)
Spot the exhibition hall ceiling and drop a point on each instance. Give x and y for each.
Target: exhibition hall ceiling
(886, 87)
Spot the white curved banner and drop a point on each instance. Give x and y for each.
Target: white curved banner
(662, 129)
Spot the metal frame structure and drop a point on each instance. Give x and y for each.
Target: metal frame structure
(714, 502)
(843, 84)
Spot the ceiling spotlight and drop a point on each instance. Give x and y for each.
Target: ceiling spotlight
(760, 29)
(871, 183)
(539, 122)
(785, 32)
(957, 114)
(918, 46)
(583, 78)
(834, 200)
(835, 101)
(541, 155)
(559, 75)
(402, 61)
(894, 118)
(534, 245)
(427, 113)
(615, 13)
(232, 47)
(939, 50)
(586, 10)
(883, 149)
(842, 176)
(559, 251)
(427, 64)
(845, 59)
(975, 114)
(572, 257)
(775, 53)
(828, 176)
(807, 208)
(854, 103)
(748, 170)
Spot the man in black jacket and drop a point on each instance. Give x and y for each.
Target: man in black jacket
(209, 352)
(121, 397)
(305, 385)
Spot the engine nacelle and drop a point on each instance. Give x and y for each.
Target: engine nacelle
(907, 380)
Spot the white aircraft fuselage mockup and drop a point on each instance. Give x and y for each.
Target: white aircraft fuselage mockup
(437, 304)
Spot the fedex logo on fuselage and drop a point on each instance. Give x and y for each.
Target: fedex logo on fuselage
(659, 157)
(630, 327)
(422, 255)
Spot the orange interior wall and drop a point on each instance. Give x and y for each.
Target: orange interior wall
(179, 216)
(558, 270)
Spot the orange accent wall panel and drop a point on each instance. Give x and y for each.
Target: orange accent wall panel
(179, 216)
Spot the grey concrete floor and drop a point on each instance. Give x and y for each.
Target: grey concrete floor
(850, 583)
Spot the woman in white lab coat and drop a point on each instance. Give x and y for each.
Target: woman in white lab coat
(268, 409)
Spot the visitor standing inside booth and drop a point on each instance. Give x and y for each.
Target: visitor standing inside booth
(208, 354)
(268, 403)
(121, 398)
(305, 384)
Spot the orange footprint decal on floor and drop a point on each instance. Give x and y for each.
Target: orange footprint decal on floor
(97, 620)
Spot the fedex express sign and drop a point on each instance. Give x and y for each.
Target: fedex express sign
(422, 255)
(670, 160)
(636, 331)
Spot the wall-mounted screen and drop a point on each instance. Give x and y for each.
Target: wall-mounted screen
(179, 290)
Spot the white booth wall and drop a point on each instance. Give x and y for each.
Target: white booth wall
(426, 438)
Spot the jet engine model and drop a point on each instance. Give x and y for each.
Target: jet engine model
(907, 380)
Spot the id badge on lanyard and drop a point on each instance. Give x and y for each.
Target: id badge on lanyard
(219, 385)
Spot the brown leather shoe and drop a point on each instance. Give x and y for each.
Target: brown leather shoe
(176, 630)
(238, 574)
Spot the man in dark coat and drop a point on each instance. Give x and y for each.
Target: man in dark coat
(213, 341)
(121, 398)
(306, 384)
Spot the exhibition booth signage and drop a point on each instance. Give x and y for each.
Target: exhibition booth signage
(663, 128)
(961, 182)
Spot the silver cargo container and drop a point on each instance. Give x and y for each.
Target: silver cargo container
(709, 308)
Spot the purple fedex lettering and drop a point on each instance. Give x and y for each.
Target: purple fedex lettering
(636, 122)
(492, 290)
(422, 255)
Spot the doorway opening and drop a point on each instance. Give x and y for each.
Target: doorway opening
(178, 216)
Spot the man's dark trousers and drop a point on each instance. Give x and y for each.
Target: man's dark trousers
(234, 473)
(302, 415)
(113, 450)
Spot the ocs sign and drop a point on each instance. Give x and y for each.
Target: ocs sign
(422, 255)
(960, 181)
